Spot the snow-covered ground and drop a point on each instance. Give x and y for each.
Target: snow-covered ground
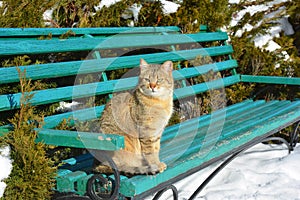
(264, 172)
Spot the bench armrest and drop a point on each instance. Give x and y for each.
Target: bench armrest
(271, 79)
(78, 139)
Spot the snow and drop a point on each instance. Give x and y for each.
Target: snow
(169, 7)
(106, 3)
(264, 172)
(47, 16)
(65, 107)
(132, 11)
(264, 41)
(5, 166)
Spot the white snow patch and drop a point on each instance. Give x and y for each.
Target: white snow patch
(106, 3)
(65, 107)
(47, 16)
(5, 166)
(132, 11)
(169, 7)
(286, 26)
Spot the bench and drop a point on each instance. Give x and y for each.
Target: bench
(204, 65)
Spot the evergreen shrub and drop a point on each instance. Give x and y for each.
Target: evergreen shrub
(33, 173)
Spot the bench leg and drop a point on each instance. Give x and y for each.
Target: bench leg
(232, 157)
(100, 187)
(294, 135)
(172, 187)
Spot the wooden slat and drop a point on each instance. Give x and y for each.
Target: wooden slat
(199, 70)
(47, 96)
(271, 79)
(35, 32)
(80, 115)
(5, 129)
(16, 47)
(54, 120)
(203, 87)
(34, 72)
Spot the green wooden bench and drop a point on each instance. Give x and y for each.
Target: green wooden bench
(186, 147)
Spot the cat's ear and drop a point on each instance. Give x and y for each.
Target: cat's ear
(168, 66)
(143, 63)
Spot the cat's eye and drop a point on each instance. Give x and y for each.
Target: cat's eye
(147, 79)
(159, 80)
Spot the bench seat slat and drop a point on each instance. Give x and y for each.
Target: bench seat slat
(208, 135)
(17, 47)
(182, 129)
(228, 143)
(229, 124)
(34, 72)
(233, 125)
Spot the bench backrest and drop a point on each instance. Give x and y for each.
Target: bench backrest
(103, 53)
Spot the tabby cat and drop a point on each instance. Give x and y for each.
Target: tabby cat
(140, 116)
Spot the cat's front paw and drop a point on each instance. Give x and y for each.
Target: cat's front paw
(157, 168)
(162, 167)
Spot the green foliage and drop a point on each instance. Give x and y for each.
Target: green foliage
(192, 13)
(69, 13)
(253, 60)
(21, 61)
(23, 13)
(33, 173)
(102, 19)
(239, 92)
(150, 14)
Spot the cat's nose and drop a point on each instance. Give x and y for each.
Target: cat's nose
(152, 86)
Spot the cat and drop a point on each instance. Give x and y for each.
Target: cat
(140, 116)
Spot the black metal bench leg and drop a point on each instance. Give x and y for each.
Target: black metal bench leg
(294, 135)
(97, 181)
(172, 187)
(283, 141)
